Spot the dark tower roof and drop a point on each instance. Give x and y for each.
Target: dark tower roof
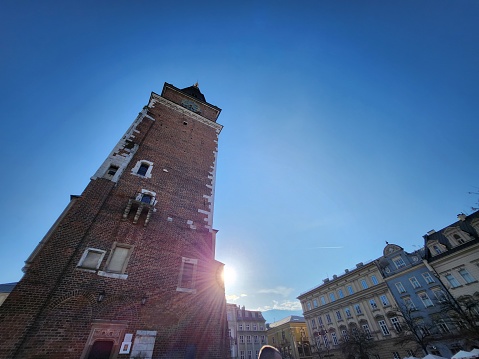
(194, 91)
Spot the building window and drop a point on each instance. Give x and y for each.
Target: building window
(250, 354)
(409, 304)
(242, 354)
(261, 327)
(399, 262)
(443, 326)
(384, 327)
(323, 301)
(350, 289)
(308, 305)
(335, 339)
(257, 354)
(248, 339)
(262, 339)
(91, 258)
(466, 276)
(313, 323)
(425, 299)
(247, 326)
(255, 327)
(396, 355)
(320, 321)
(187, 277)
(340, 293)
(439, 294)
(436, 249)
(452, 281)
(400, 287)
(348, 312)
(240, 327)
(384, 300)
(328, 319)
(344, 333)
(143, 168)
(119, 256)
(338, 315)
(367, 331)
(326, 340)
(357, 308)
(428, 277)
(315, 303)
(414, 282)
(374, 280)
(111, 172)
(241, 339)
(373, 304)
(364, 284)
(396, 325)
(332, 297)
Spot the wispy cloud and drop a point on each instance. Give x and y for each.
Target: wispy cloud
(234, 297)
(286, 305)
(284, 291)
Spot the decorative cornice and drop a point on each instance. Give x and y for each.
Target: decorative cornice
(157, 98)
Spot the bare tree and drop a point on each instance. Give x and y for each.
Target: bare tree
(463, 313)
(414, 329)
(357, 343)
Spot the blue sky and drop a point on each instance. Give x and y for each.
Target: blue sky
(346, 123)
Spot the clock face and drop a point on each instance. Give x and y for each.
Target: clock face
(190, 105)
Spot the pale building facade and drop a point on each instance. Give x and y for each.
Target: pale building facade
(359, 298)
(290, 337)
(246, 330)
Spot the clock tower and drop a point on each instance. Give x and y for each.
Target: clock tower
(128, 270)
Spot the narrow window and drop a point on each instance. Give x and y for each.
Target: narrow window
(328, 319)
(350, 289)
(399, 262)
(364, 284)
(332, 297)
(335, 339)
(111, 172)
(367, 331)
(373, 304)
(143, 169)
(358, 309)
(396, 325)
(408, 303)
(313, 323)
(384, 327)
(323, 301)
(466, 276)
(428, 278)
(338, 315)
(425, 300)
(118, 259)
(340, 293)
(414, 282)
(374, 280)
(384, 300)
(315, 303)
(452, 281)
(91, 258)
(348, 312)
(187, 275)
(400, 287)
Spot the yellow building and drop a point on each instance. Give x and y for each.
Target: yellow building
(290, 336)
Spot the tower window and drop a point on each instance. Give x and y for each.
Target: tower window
(118, 260)
(111, 172)
(143, 169)
(187, 278)
(91, 258)
(146, 198)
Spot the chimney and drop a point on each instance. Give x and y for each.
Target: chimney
(432, 231)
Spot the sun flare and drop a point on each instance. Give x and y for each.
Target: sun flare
(229, 275)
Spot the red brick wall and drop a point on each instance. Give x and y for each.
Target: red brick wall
(50, 312)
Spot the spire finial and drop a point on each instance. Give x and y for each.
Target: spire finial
(196, 84)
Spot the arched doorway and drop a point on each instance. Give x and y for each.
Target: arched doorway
(101, 349)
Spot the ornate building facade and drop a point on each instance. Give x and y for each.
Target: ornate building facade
(290, 337)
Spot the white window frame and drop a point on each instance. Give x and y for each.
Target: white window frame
(350, 289)
(399, 262)
(415, 283)
(396, 324)
(400, 288)
(335, 338)
(134, 170)
(428, 277)
(357, 309)
(364, 284)
(384, 327)
(340, 293)
(408, 303)
(373, 304)
(374, 280)
(366, 330)
(425, 300)
(85, 255)
(348, 313)
(338, 315)
(452, 280)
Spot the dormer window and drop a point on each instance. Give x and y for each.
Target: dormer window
(456, 236)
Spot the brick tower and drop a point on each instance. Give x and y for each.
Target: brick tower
(129, 269)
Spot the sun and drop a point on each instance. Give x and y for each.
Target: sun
(229, 275)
